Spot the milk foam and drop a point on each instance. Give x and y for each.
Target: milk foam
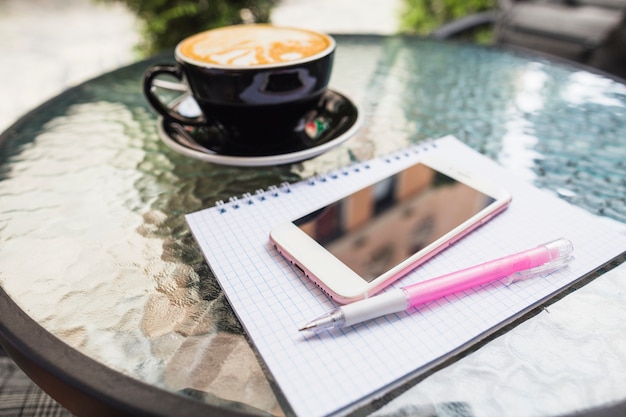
(251, 45)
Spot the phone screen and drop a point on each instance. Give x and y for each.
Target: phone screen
(382, 225)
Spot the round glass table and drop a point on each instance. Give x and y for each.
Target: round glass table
(107, 303)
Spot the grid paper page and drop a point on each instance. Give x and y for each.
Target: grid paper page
(330, 373)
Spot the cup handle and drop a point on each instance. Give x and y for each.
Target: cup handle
(149, 90)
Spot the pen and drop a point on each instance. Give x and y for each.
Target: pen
(529, 263)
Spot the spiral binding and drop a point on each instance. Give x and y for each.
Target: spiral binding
(285, 187)
(249, 199)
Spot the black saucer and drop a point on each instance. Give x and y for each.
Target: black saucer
(330, 123)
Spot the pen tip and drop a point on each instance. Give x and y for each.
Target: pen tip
(306, 327)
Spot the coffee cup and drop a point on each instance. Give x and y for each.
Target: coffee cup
(254, 83)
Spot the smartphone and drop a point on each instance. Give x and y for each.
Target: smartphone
(366, 240)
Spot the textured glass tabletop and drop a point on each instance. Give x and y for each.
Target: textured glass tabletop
(94, 246)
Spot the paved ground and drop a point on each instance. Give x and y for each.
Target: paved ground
(340, 16)
(49, 45)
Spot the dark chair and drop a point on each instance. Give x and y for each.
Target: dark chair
(20, 397)
(591, 32)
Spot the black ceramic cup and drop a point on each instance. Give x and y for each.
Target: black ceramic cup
(252, 82)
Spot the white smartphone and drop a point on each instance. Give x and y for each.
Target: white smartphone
(364, 241)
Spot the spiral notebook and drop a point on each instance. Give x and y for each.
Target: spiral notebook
(334, 373)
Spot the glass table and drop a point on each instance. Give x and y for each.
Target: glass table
(106, 301)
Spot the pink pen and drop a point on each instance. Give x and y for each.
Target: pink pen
(530, 263)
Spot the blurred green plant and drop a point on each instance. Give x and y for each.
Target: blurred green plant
(167, 22)
(423, 16)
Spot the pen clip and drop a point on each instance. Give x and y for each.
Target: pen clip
(541, 270)
(564, 249)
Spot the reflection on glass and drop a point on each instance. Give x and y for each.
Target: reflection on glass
(381, 225)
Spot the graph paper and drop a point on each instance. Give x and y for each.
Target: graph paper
(333, 372)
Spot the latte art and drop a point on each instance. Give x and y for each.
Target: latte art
(253, 45)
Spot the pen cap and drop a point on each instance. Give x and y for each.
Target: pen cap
(559, 254)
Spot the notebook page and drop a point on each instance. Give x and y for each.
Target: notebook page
(329, 373)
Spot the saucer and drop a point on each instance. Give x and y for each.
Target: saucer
(335, 119)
